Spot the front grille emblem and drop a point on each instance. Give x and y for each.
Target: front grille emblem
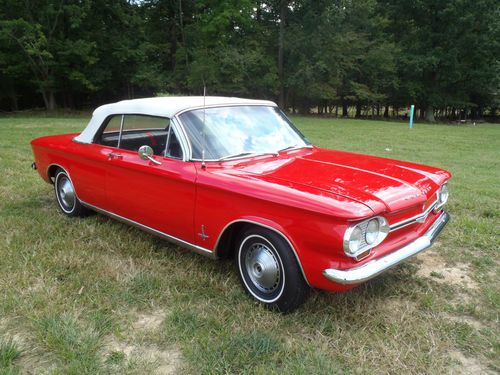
(422, 218)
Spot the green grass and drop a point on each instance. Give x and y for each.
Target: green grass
(94, 296)
(8, 354)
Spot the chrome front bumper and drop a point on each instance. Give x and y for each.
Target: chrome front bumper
(375, 267)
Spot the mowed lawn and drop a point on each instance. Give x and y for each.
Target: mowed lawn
(94, 296)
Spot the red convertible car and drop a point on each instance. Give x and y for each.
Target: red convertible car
(230, 177)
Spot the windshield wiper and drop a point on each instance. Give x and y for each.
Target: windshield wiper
(292, 147)
(248, 153)
(288, 148)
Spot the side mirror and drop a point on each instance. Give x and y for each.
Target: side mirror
(146, 153)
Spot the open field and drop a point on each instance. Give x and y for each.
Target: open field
(94, 296)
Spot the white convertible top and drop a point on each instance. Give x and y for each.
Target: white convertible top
(160, 106)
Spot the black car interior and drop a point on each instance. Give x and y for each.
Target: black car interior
(133, 139)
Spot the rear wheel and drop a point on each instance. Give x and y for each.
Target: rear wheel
(269, 271)
(66, 196)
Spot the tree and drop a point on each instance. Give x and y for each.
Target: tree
(449, 49)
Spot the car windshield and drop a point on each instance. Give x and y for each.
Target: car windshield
(238, 131)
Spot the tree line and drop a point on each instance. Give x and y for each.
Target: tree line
(339, 57)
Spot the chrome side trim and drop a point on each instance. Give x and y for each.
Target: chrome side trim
(197, 249)
(120, 134)
(267, 227)
(375, 267)
(413, 219)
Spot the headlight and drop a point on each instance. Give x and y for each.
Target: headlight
(372, 231)
(365, 235)
(355, 240)
(443, 194)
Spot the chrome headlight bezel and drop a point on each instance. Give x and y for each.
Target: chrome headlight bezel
(443, 194)
(353, 247)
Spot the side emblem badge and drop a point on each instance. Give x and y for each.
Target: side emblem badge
(202, 234)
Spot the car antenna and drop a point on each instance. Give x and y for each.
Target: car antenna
(203, 165)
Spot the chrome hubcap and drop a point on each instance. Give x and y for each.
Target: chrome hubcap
(262, 267)
(66, 193)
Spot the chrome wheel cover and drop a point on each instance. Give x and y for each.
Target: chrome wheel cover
(66, 193)
(263, 268)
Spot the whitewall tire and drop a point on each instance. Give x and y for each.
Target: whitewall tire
(269, 271)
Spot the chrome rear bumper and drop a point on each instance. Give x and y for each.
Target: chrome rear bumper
(375, 267)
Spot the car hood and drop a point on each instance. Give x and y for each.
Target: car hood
(384, 185)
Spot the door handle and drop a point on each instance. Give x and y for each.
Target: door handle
(114, 155)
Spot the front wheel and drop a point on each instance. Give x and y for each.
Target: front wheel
(269, 271)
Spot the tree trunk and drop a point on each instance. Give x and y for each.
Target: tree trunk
(69, 100)
(14, 105)
(49, 99)
(480, 112)
(345, 109)
(386, 111)
(283, 8)
(429, 114)
(358, 110)
(52, 101)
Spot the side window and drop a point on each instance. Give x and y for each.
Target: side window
(140, 130)
(174, 149)
(111, 132)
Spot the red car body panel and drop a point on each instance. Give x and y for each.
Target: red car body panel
(309, 195)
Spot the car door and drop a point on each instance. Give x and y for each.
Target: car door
(159, 196)
(90, 162)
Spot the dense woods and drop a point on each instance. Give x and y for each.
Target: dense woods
(339, 57)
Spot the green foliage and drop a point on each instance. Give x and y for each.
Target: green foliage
(311, 53)
(9, 352)
(449, 50)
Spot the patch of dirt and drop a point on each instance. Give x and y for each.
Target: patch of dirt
(31, 360)
(168, 361)
(396, 309)
(474, 323)
(36, 286)
(467, 366)
(149, 322)
(434, 266)
(122, 270)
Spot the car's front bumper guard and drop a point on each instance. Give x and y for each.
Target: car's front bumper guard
(375, 267)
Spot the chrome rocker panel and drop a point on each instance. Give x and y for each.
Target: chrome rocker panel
(375, 267)
(175, 240)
